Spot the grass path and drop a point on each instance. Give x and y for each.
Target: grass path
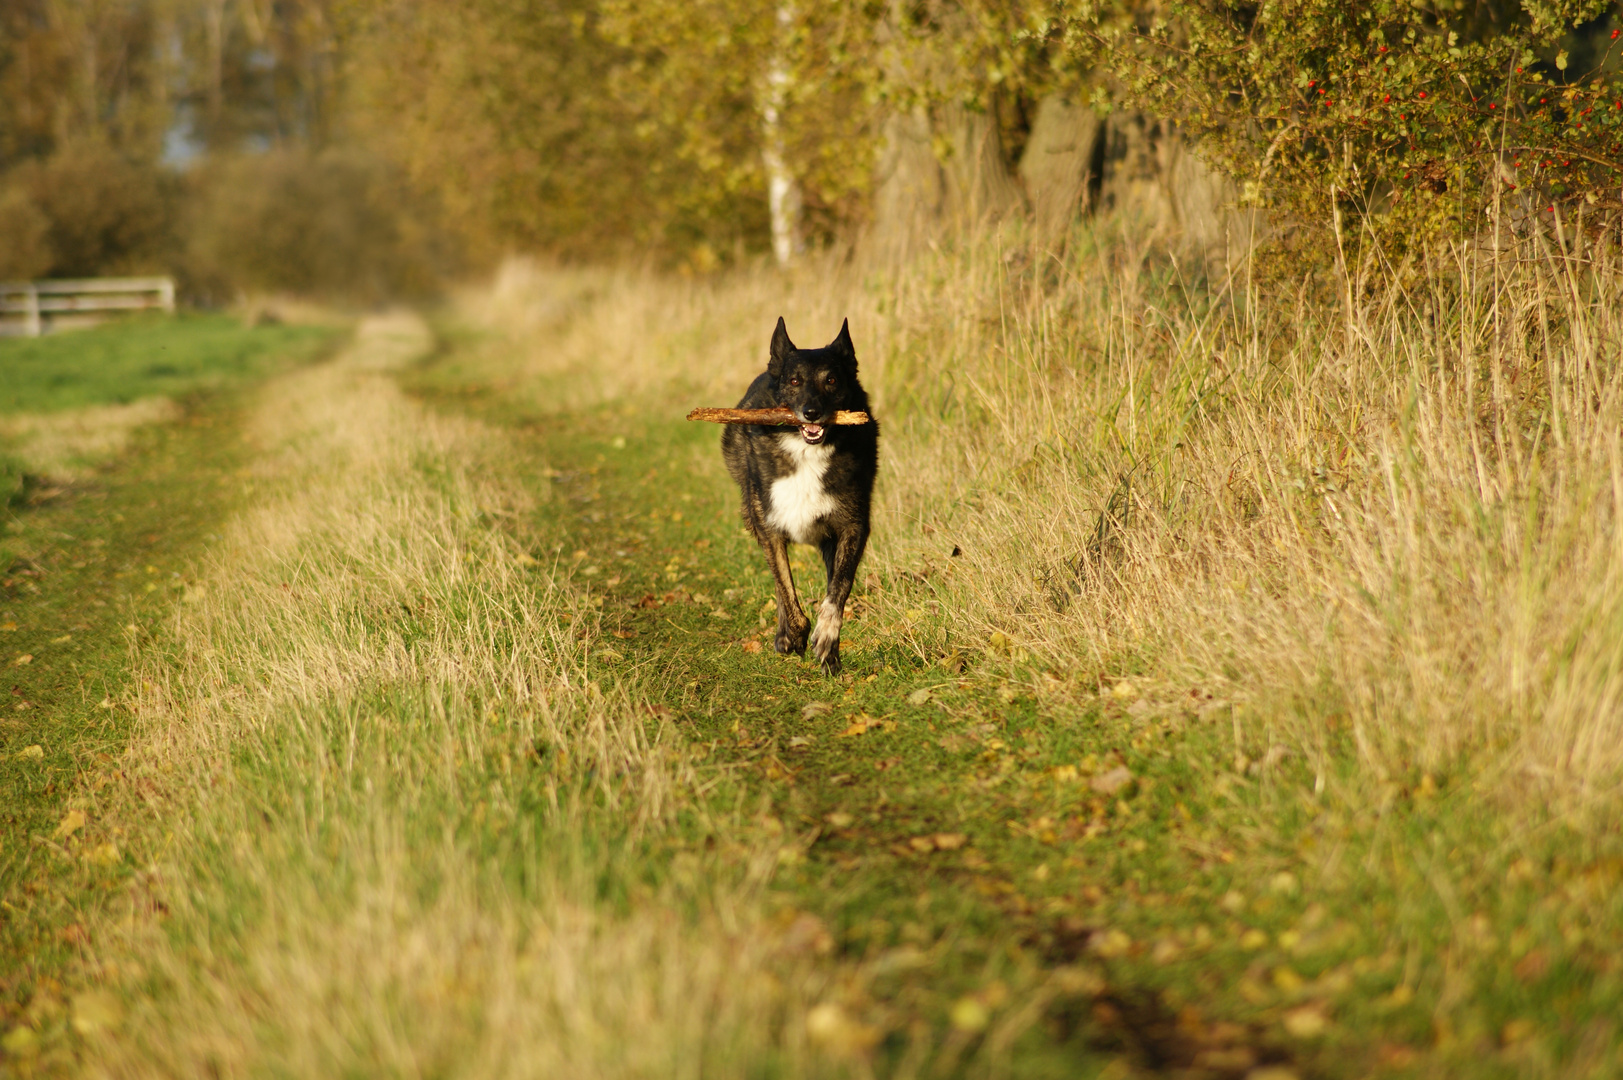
(467, 753)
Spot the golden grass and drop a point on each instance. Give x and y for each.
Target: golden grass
(1394, 520)
(335, 751)
(65, 445)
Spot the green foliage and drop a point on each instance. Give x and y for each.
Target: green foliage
(1426, 113)
(144, 357)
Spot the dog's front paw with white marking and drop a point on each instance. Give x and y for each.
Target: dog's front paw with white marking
(825, 639)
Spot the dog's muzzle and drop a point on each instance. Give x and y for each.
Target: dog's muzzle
(812, 433)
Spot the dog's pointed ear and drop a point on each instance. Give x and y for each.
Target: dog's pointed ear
(781, 348)
(842, 344)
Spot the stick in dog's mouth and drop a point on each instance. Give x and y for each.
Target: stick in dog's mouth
(812, 433)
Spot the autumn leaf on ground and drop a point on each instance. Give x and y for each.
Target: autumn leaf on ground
(918, 697)
(861, 723)
(752, 646)
(1113, 781)
(23, 659)
(71, 823)
(814, 709)
(31, 753)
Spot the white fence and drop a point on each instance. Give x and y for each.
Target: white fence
(32, 308)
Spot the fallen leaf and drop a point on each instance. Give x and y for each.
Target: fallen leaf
(949, 841)
(23, 659)
(71, 822)
(31, 753)
(918, 697)
(813, 709)
(648, 600)
(998, 641)
(839, 819)
(924, 844)
(1109, 944)
(1306, 1022)
(104, 855)
(752, 646)
(886, 763)
(859, 724)
(20, 1042)
(105, 703)
(720, 613)
(8, 627)
(1124, 691)
(799, 742)
(830, 1026)
(969, 1014)
(96, 1010)
(1530, 968)
(623, 634)
(63, 640)
(1111, 782)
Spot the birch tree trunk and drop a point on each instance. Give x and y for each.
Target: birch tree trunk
(783, 192)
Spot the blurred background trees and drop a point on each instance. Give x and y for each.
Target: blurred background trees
(373, 148)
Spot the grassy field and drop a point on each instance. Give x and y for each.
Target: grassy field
(112, 492)
(1230, 692)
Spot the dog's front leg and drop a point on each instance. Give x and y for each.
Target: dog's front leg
(792, 622)
(840, 556)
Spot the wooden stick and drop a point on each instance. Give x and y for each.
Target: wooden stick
(779, 417)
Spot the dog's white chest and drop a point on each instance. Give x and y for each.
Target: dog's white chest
(799, 500)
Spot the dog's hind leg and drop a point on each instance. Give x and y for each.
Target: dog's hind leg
(792, 622)
(841, 555)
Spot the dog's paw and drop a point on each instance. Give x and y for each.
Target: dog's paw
(825, 640)
(791, 638)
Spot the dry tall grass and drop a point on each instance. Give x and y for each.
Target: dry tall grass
(362, 874)
(1394, 517)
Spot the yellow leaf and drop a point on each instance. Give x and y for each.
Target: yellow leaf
(63, 640)
(1109, 943)
(104, 855)
(839, 819)
(8, 627)
(918, 697)
(969, 1014)
(96, 1010)
(861, 723)
(31, 753)
(1307, 1022)
(20, 1042)
(950, 841)
(23, 659)
(998, 642)
(71, 823)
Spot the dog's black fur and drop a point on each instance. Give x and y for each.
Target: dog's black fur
(809, 485)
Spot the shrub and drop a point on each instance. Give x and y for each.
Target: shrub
(87, 210)
(336, 223)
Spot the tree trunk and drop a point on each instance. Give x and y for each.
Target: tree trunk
(1058, 165)
(783, 192)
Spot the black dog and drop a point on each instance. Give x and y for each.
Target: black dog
(811, 485)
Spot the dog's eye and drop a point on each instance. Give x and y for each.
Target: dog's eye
(828, 384)
(795, 381)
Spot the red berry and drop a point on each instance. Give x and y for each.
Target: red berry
(1422, 93)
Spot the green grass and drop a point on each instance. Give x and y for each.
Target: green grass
(88, 571)
(1239, 914)
(124, 361)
